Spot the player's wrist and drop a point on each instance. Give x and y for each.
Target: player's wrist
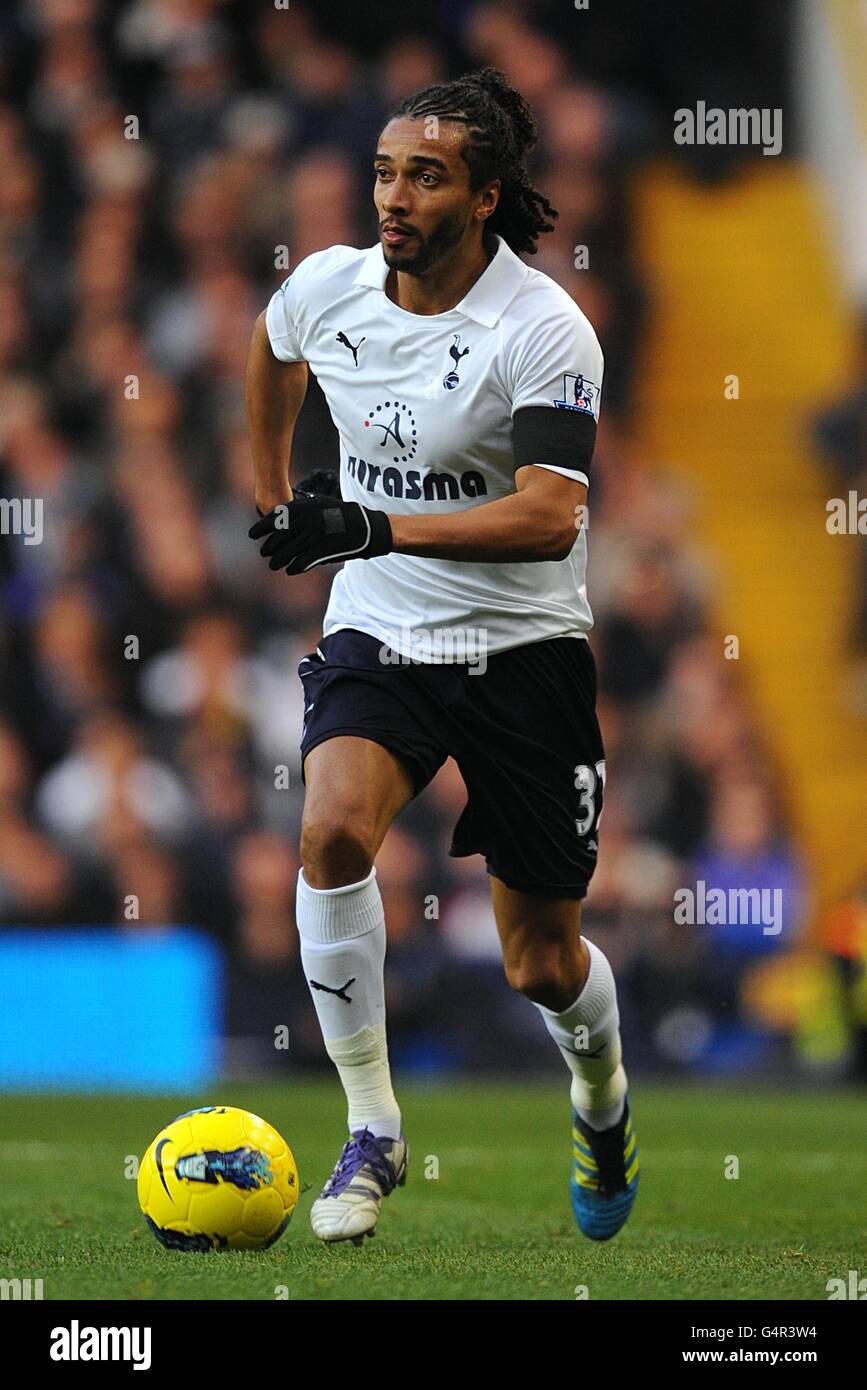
(381, 534)
(265, 502)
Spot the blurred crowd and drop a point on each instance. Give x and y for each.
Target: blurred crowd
(164, 162)
(841, 437)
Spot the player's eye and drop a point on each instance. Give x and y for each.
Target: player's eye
(432, 177)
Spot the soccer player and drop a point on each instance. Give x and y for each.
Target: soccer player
(465, 389)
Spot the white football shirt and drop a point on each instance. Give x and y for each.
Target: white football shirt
(423, 405)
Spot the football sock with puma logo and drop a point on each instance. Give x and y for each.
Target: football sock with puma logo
(342, 933)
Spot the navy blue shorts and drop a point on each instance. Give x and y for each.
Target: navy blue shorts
(523, 733)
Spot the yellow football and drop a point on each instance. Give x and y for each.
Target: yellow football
(218, 1178)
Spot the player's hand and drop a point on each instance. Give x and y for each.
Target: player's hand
(320, 530)
(323, 483)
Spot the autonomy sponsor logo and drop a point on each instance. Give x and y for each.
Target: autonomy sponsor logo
(398, 430)
(415, 486)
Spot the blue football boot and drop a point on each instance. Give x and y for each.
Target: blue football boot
(604, 1178)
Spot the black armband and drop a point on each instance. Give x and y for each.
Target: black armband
(562, 438)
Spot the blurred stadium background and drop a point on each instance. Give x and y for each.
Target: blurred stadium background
(149, 697)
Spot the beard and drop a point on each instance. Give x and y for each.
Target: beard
(424, 252)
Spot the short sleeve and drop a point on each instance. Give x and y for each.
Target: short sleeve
(558, 364)
(281, 324)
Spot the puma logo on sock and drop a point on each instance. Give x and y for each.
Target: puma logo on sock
(598, 1053)
(341, 992)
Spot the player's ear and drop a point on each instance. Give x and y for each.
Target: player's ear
(488, 200)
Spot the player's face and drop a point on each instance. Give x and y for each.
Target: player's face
(422, 193)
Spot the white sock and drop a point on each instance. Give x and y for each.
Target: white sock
(592, 1024)
(342, 933)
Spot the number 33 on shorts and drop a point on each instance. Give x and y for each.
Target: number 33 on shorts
(590, 785)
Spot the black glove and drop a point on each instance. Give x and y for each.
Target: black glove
(319, 530)
(322, 483)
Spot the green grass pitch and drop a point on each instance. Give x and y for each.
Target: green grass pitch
(496, 1222)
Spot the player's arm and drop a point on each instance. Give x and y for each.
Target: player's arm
(538, 522)
(552, 452)
(274, 393)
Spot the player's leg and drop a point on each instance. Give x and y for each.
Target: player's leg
(571, 982)
(533, 761)
(354, 790)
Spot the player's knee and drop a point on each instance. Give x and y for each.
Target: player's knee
(335, 850)
(542, 977)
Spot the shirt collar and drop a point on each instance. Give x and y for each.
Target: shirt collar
(485, 302)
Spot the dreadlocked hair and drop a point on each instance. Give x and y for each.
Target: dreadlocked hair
(501, 132)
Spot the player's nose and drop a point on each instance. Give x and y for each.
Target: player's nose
(395, 198)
